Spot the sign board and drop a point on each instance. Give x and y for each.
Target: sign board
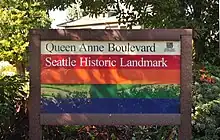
(111, 77)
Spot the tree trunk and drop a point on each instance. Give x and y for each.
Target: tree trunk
(20, 67)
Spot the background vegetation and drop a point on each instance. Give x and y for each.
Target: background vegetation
(18, 16)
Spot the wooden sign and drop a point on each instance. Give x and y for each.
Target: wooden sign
(110, 77)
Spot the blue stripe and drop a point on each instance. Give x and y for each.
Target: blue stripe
(110, 105)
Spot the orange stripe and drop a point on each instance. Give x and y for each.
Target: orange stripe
(109, 76)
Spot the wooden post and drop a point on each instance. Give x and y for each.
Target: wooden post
(185, 130)
(34, 98)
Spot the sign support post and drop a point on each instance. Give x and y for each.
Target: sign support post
(34, 97)
(185, 131)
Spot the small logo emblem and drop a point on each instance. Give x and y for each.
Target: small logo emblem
(169, 47)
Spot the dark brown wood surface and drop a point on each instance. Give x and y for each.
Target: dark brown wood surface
(185, 131)
(102, 35)
(34, 97)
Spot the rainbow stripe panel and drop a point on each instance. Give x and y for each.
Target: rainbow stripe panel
(121, 77)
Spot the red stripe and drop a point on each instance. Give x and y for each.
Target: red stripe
(110, 61)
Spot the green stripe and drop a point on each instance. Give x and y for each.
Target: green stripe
(111, 91)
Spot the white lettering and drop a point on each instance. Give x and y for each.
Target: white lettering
(48, 63)
(143, 63)
(64, 62)
(89, 62)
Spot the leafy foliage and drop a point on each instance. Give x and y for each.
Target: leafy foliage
(110, 132)
(74, 12)
(206, 111)
(16, 18)
(13, 108)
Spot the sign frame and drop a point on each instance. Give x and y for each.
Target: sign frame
(36, 119)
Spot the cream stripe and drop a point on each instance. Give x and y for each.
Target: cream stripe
(107, 47)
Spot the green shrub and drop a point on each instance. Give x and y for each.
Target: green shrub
(13, 108)
(206, 104)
